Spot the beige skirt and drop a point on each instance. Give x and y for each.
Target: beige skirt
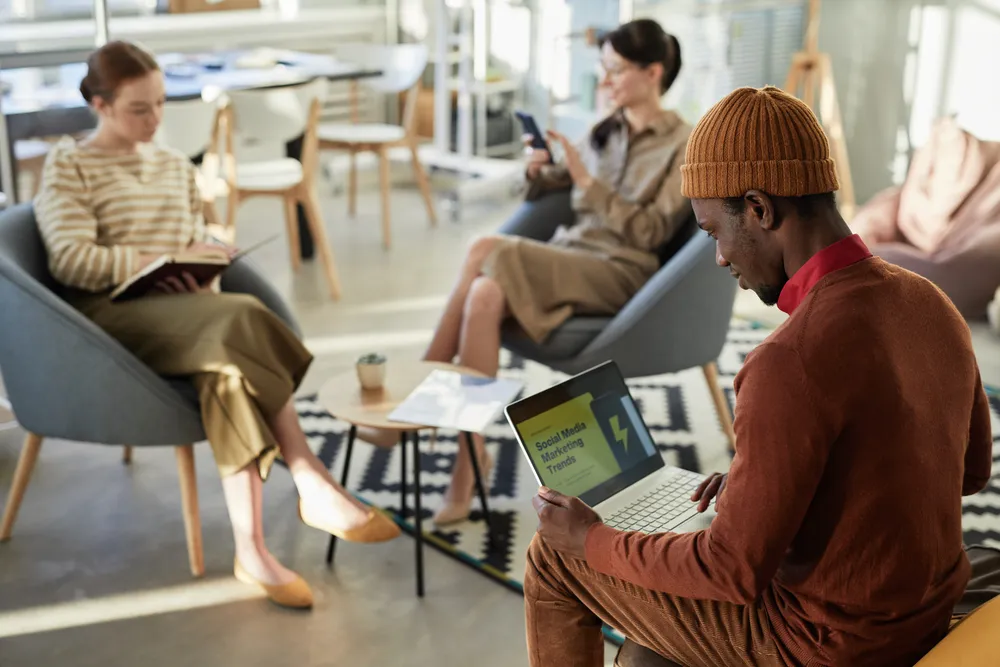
(244, 361)
(546, 284)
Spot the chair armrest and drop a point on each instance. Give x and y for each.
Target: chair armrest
(67, 378)
(243, 277)
(678, 320)
(540, 218)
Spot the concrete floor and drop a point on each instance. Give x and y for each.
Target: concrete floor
(97, 571)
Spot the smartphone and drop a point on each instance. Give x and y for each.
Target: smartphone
(538, 141)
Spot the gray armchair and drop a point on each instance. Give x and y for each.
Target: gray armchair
(66, 378)
(678, 320)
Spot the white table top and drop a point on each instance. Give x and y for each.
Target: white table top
(187, 76)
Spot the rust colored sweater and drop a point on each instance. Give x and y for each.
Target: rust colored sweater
(860, 423)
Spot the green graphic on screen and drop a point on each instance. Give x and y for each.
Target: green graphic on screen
(568, 447)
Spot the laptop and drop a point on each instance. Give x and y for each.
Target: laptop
(585, 437)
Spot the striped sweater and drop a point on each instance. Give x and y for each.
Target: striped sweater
(97, 211)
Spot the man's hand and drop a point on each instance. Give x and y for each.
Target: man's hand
(712, 487)
(563, 521)
(186, 284)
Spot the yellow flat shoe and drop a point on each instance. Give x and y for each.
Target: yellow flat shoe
(378, 527)
(295, 594)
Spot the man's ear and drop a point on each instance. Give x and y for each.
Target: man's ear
(760, 208)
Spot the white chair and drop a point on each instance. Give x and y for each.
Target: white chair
(279, 115)
(194, 128)
(30, 155)
(402, 66)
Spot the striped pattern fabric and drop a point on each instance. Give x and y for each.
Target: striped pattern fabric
(98, 210)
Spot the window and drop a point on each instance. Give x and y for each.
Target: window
(725, 48)
(58, 10)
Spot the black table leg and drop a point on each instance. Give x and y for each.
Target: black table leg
(402, 478)
(293, 149)
(418, 521)
(480, 487)
(343, 482)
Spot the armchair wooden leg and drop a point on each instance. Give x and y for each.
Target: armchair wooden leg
(189, 503)
(424, 184)
(315, 220)
(385, 185)
(292, 228)
(127, 454)
(231, 206)
(22, 475)
(721, 404)
(352, 185)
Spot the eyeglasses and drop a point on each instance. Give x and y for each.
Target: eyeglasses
(614, 71)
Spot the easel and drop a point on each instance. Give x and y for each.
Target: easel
(809, 69)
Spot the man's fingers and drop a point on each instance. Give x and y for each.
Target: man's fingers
(554, 497)
(710, 492)
(704, 485)
(701, 489)
(539, 504)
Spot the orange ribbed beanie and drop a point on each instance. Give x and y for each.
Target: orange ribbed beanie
(758, 139)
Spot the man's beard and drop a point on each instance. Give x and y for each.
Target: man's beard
(769, 293)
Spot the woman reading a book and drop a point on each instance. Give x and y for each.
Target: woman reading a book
(114, 203)
(626, 195)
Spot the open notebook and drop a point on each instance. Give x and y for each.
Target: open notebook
(203, 268)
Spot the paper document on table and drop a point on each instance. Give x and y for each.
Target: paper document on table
(446, 399)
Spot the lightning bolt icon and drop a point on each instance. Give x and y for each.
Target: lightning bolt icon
(621, 434)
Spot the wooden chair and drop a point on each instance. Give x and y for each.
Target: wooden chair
(195, 128)
(280, 115)
(401, 65)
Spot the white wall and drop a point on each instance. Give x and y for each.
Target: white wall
(868, 43)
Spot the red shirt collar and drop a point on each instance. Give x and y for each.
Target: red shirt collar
(832, 258)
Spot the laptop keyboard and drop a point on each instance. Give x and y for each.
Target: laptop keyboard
(659, 510)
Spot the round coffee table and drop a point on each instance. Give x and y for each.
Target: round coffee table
(343, 397)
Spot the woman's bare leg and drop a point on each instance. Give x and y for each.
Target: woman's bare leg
(444, 345)
(479, 349)
(326, 498)
(243, 493)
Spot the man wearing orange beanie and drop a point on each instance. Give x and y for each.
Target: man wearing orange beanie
(860, 423)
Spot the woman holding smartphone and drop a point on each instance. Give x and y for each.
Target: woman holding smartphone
(114, 202)
(626, 193)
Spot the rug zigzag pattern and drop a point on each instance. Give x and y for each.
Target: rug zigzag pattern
(677, 408)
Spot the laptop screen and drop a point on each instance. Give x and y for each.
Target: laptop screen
(585, 437)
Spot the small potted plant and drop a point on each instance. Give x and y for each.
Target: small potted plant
(371, 371)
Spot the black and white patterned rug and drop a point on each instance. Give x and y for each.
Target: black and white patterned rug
(677, 408)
